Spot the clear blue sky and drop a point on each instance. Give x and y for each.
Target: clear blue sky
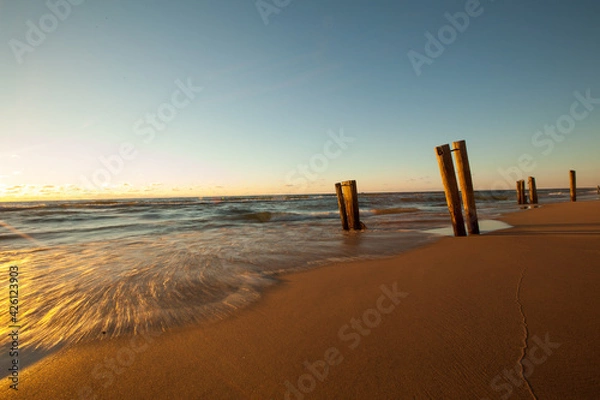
(274, 94)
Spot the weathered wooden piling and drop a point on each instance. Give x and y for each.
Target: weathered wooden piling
(341, 205)
(466, 186)
(347, 195)
(573, 176)
(521, 196)
(444, 157)
(533, 196)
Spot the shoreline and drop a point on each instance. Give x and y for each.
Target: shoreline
(433, 235)
(310, 315)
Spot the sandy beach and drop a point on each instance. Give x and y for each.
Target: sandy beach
(511, 314)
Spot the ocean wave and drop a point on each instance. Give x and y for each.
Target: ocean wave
(264, 216)
(102, 293)
(421, 198)
(71, 217)
(95, 204)
(492, 196)
(263, 199)
(20, 207)
(41, 234)
(109, 288)
(395, 210)
(274, 216)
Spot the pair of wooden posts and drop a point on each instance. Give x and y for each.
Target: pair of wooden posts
(347, 196)
(444, 156)
(521, 194)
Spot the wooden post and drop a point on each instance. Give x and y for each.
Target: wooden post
(466, 186)
(521, 192)
(350, 195)
(573, 176)
(533, 197)
(521, 197)
(341, 205)
(444, 157)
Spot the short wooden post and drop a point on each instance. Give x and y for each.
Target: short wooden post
(466, 186)
(350, 194)
(444, 157)
(533, 196)
(519, 195)
(341, 205)
(573, 176)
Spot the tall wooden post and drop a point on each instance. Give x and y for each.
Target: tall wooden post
(573, 176)
(444, 157)
(341, 205)
(533, 197)
(351, 203)
(466, 186)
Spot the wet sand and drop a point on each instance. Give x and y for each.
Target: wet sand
(511, 314)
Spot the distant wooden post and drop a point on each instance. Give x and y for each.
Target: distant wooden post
(533, 197)
(341, 206)
(466, 186)
(521, 197)
(573, 176)
(444, 157)
(523, 193)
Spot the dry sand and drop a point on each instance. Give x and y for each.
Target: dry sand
(468, 311)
